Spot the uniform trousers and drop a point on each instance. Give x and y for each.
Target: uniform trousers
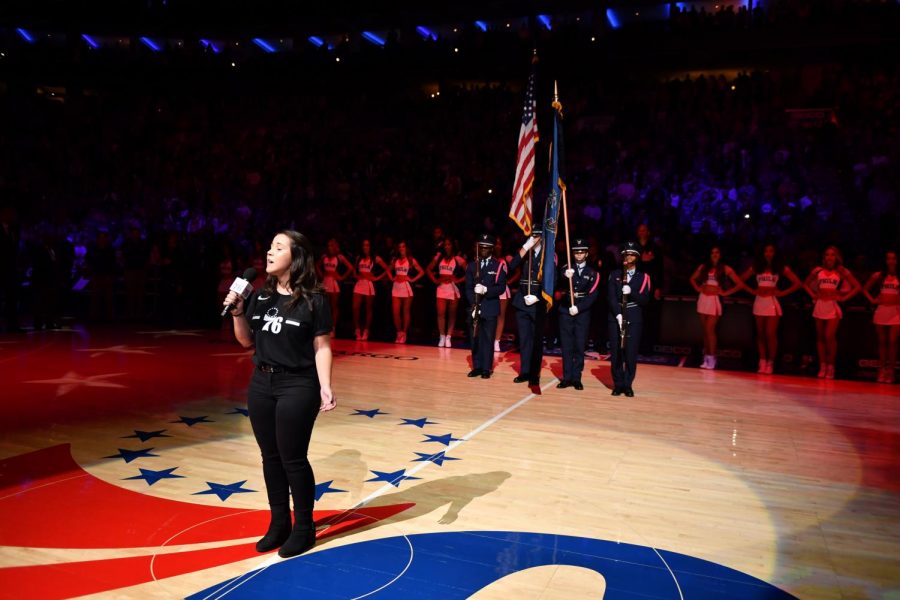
(531, 341)
(624, 362)
(483, 343)
(573, 334)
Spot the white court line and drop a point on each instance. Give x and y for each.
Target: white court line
(412, 555)
(386, 488)
(672, 573)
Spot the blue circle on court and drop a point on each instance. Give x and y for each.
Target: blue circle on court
(455, 565)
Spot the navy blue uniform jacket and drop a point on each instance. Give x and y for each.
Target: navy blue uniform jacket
(493, 277)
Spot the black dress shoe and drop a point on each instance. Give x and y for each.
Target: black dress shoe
(520, 379)
(629, 392)
(617, 391)
(485, 374)
(577, 385)
(563, 384)
(474, 373)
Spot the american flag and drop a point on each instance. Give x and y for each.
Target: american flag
(520, 210)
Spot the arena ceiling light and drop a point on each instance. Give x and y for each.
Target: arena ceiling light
(481, 25)
(545, 20)
(316, 41)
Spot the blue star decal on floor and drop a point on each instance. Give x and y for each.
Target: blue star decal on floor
(152, 477)
(146, 435)
(368, 413)
(420, 423)
(441, 439)
(393, 478)
(325, 488)
(224, 490)
(239, 411)
(437, 459)
(191, 421)
(130, 455)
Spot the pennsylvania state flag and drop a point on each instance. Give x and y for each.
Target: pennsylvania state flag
(551, 211)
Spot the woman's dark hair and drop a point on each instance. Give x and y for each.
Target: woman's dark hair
(361, 256)
(303, 280)
(708, 266)
(839, 257)
(760, 264)
(443, 249)
(884, 270)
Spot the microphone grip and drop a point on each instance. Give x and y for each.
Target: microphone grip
(231, 306)
(242, 288)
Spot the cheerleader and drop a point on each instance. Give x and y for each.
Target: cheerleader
(709, 281)
(824, 286)
(887, 315)
(364, 289)
(506, 295)
(402, 292)
(450, 272)
(330, 276)
(768, 270)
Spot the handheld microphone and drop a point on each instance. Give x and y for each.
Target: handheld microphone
(243, 288)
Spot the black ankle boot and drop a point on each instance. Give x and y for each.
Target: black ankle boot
(302, 538)
(278, 532)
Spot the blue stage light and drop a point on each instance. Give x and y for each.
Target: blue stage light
(545, 19)
(210, 45)
(25, 35)
(150, 44)
(264, 45)
(90, 41)
(613, 20)
(426, 33)
(371, 37)
(481, 25)
(316, 41)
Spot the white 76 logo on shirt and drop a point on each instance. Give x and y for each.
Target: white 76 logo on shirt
(272, 324)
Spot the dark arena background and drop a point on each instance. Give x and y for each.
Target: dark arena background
(150, 150)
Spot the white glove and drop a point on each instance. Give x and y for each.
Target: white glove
(573, 310)
(569, 273)
(626, 289)
(619, 320)
(480, 289)
(530, 299)
(529, 243)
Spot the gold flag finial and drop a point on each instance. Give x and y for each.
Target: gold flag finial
(556, 103)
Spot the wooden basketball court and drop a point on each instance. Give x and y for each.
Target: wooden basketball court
(128, 470)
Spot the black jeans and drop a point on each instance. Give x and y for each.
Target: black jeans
(283, 408)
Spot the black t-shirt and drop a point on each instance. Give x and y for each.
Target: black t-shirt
(284, 337)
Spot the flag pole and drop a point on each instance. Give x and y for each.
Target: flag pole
(568, 251)
(558, 106)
